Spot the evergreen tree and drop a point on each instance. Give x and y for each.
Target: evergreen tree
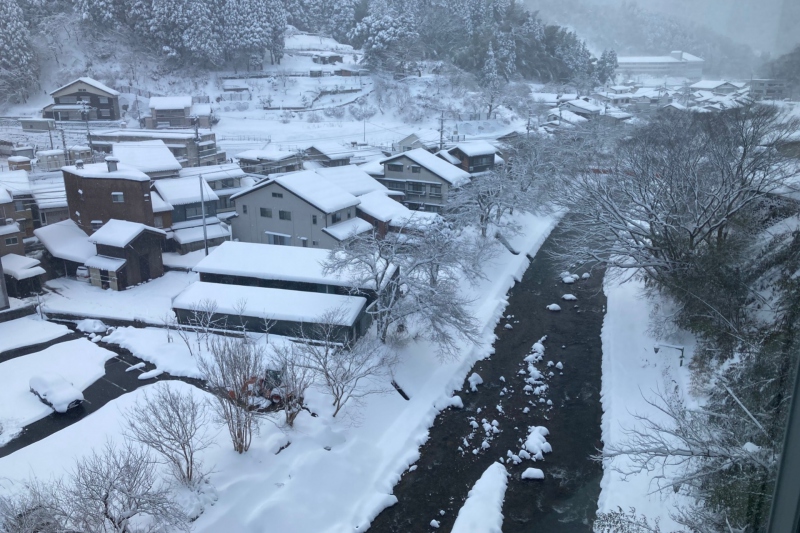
(18, 66)
(606, 66)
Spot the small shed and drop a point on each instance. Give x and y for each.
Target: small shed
(51, 159)
(22, 275)
(19, 162)
(67, 246)
(128, 253)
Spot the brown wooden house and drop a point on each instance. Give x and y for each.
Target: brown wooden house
(128, 253)
(83, 95)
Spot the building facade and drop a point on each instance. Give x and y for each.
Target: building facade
(83, 99)
(190, 150)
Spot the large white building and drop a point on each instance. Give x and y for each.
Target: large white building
(677, 64)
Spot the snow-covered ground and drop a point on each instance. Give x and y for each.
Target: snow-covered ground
(80, 362)
(369, 446)
(632, 373)
(149, 302)
(27, 331)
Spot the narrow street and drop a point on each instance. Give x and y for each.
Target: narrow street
(566, 500)
(118, 380)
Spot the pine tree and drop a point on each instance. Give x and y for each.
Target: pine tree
(491, 82)
(18, 66)
(606, 66)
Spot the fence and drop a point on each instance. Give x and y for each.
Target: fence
(234, 97)
(135, 90)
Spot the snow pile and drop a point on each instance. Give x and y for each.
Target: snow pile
(27, 331)
(532, 473)
(553, 307)
(536, 443)
(569, 297)
(475, 380)
(568, 278)
(482, 512)
(90, 325)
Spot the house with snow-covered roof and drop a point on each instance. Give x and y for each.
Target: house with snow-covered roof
(582, 107)
(353, 179)
(676, 64)
(11, 236)
(269, 161)
(475, 156)
(99, 192)
(191, 148)
(423, 178)
(715, 86)
(22, 275)
(17, 184)
(84, 95)
(185, 232)
(176, 112)
(128, 253)
(328, 154)
(414, 141)
(297, 209)
(68, 247)
(225, 180)
(151, 157)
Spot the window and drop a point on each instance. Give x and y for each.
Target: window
(194, 211)
(226, 183)
(415, 188)
(103, 100)
(314, 243)
(348, 213)
(117, 197)
(106, 113)
(277, 195)
(97, 224)
(304, 241)
(396, 185)
(336, 217)
(244, 208)
(393, 167)
(415, 169)
(11, 241)
(68, 100)
(285, 215)
(158, 221)
(19, 205)
(146, 197)
(280, 240)
(266, 212)
(436, 191)
(314, 219)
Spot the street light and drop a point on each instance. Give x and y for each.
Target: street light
(658, 346)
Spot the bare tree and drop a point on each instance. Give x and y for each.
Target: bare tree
(117, 490)
(295, 378)
(174, 425)
(347, 369)
(231, 372)
(28, 509)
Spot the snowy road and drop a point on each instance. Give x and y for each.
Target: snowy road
(566, 499)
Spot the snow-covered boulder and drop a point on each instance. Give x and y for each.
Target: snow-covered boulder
(532, 473)
(553, 307)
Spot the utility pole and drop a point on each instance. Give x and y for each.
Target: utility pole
(441, 132)
(86, 109)
(64, 145)
(528, 127)
(50, 133)
(203, 211)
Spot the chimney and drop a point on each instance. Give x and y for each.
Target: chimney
(79, 163)
(677, 54)
(8, 221)
(112, 163)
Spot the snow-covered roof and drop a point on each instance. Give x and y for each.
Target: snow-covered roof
(658, 59)
(586, 106)
(447, 156)
(5, 196)
(89, 81)
(415, 219)
(181, 191)
(348, 228)
(316, 190)
(351, 178)
(150, 134)
(104, 262)
(272, 262)
(476, 148)
(66, 240)
(45, 153)
(567, 116)
(190, 235)
(332, 150)
(710, 85)
(381, 207)
(49, 193)
(450, 173)
(161, 103)
(100, 170)
(9, 228)
(373, 168)
(18, 159)
(214, 172)
(147, 156)
(159, 204)
(268, 154)
(16, 182)
(20, 267)
(201, 110)
(271, 304)
(119, 233)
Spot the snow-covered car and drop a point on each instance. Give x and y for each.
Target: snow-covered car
(82, 273)
(55, 391)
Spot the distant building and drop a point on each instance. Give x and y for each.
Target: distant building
(769, 89)
(188, 151)
(719, 87)
(269, 161)
(475, 156)
(412, 142)
(225, 180)
(328, 154)
(17, 184)
(177, 112)
(84, 94)
(677, 64)
(151, 157)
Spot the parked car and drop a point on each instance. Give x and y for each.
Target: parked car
(82, 273)
(55, 391)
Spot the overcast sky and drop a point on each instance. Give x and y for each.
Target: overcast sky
(766, 25)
